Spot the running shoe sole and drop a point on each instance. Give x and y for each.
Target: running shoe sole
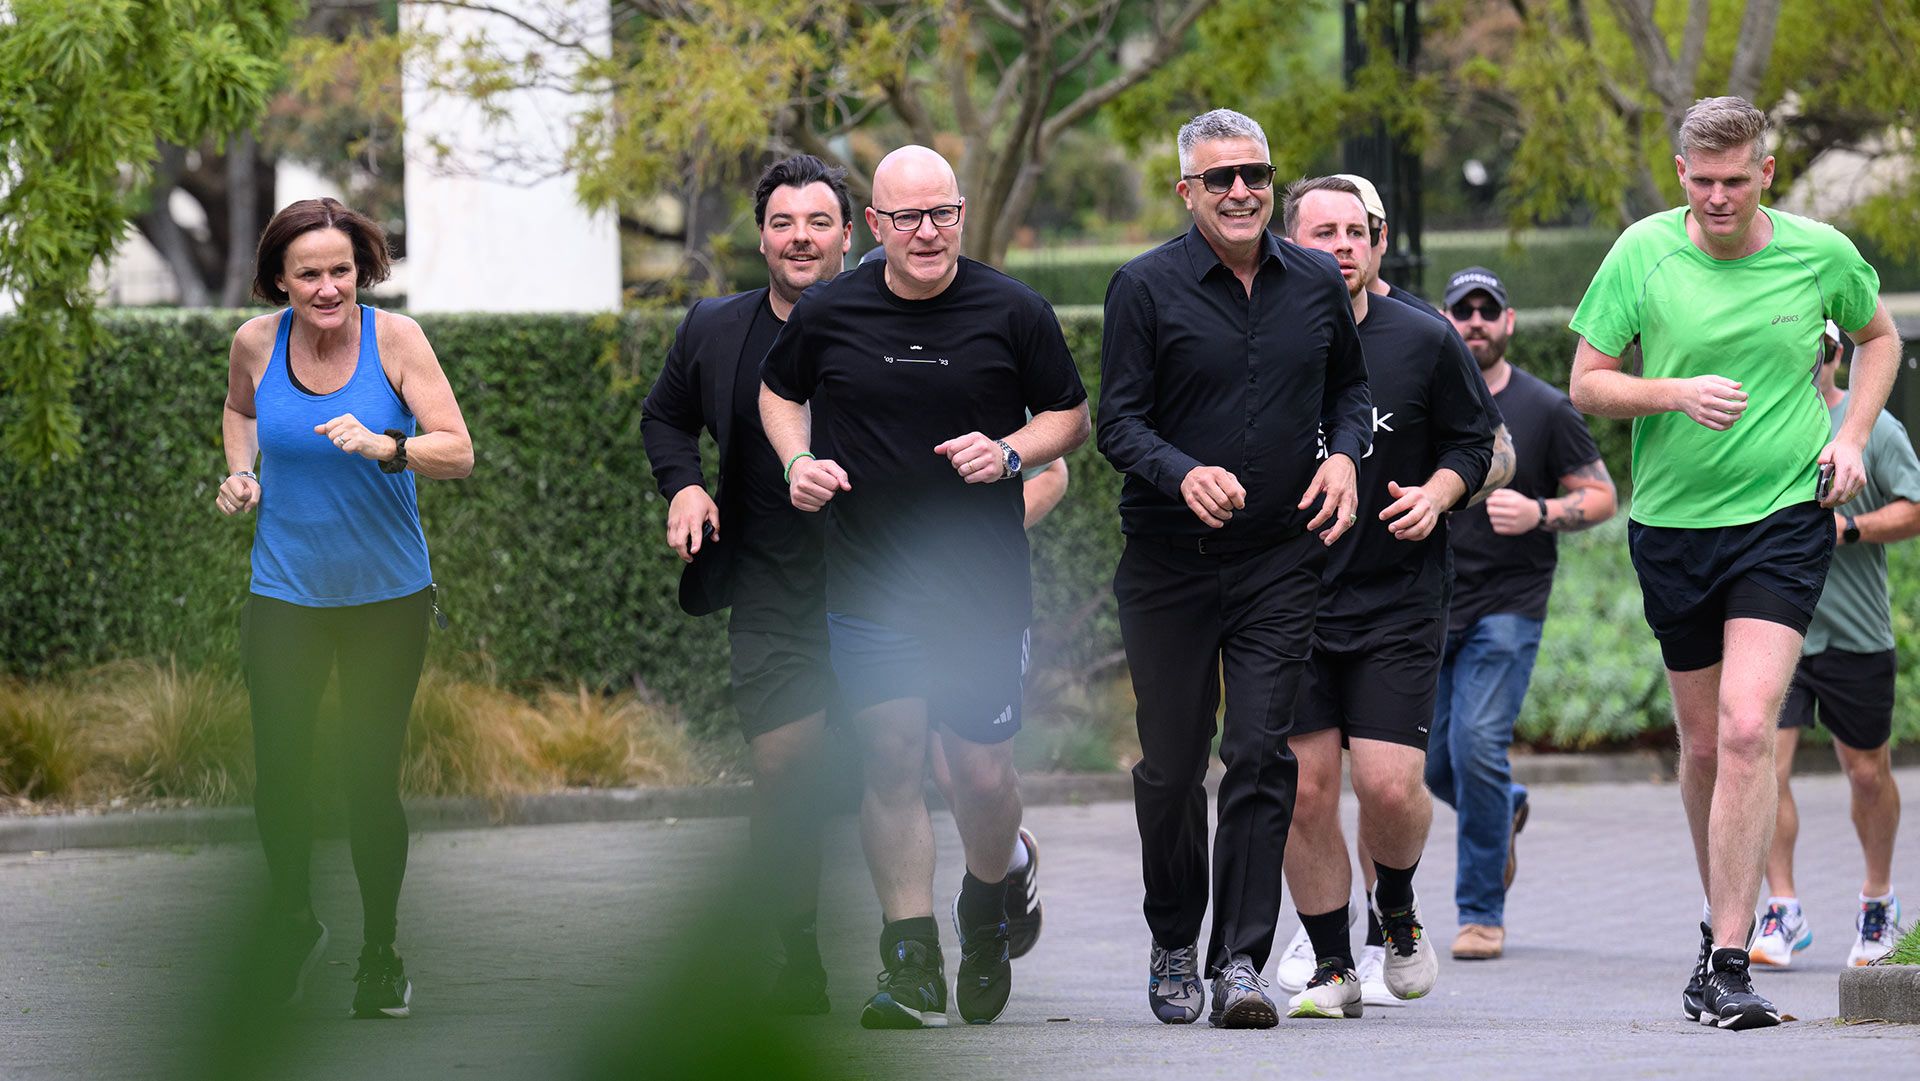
(404, 1010)
(1761, 957)
(883, 1011)
(1741, 1021)
(1310, 1008)
(1251, 1013)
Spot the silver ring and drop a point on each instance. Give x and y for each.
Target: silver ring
(1352, 518)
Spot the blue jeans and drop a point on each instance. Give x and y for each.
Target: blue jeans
(1483, 681)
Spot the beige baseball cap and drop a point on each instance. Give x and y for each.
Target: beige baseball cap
(1369, 195)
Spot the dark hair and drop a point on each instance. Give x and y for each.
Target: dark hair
(371, 259)
(1296, 191)
(797, 172)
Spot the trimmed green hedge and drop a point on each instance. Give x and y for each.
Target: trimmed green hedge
(551, 557)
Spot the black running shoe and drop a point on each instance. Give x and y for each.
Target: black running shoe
(913, 989)
(1690, 999)
(292, 952)
(1240, 998)
(1727, 997)
(1023, 901)
(380, 986)
(985, 978)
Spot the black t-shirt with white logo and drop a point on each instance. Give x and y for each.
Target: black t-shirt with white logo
(1430, 411)
(1493, 574)
(911, 545)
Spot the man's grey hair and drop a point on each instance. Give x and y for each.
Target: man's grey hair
(1717, 125)
(1217, 124)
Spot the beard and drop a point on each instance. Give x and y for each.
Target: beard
(1488, 352)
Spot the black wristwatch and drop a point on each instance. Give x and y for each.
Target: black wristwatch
(1849, 532)
(398, 464)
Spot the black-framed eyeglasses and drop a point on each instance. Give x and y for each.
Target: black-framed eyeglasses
(1219, 179)
(945, 216)
(1490, 311)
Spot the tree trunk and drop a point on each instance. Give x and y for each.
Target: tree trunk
(157, 225)
(242, 201)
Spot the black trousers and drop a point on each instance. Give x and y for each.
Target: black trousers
(287, 653)
(1187, 620)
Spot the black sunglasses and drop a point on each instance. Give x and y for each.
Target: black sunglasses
(1219, 179)
(1463, 310)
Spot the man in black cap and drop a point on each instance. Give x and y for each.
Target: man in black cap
(1503, 562)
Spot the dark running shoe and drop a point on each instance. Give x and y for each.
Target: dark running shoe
(985, 978)
(1023, 901)
(291, 954)
(380, 985)
(1513, 843)
(913, 989)
(1240, 997)
(1690, 999)
(1727, 998)
(1173, 986)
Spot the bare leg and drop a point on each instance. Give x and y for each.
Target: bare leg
(1876, 812)
(1760, 659)
(986, 807)
(1316, 862)
(1786, 822)
(894, 827)
(1396, 811)
(1696, 711)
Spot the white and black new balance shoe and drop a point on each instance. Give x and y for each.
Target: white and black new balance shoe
(1727, 997)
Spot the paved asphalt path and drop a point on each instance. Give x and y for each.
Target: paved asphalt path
(525, 945)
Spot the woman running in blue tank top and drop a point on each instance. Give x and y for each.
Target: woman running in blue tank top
(341, 406)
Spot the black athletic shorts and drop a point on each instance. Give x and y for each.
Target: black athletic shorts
(1853, 693)
(1693, 580)
(779, 678)
(1376, 683)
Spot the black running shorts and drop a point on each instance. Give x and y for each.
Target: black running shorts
(1693, 580)
(779, 678)
(1376, 683)
(1852, 693)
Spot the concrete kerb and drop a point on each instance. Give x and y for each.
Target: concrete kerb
(1881, 993)
(216, 825)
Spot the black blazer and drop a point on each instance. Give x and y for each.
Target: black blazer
(695, 391)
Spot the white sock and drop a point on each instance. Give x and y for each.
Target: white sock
(1706, 913)
(1018, 861)
(1791, 904)
(1887, 900)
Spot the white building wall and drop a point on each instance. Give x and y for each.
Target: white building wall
(486, 231)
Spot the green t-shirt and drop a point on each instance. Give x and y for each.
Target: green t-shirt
(1853, 611)
(1756, 320)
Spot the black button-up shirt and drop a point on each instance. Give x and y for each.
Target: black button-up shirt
(1196, 371)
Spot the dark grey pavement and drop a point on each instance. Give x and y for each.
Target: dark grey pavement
(520, 939)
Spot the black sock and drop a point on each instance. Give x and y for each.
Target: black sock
(801, 941)
(1375, 936)
(1393, 891)
(922, 929)
(982, 904)
(1329, 934)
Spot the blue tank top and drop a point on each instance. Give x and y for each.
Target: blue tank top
(334, 530)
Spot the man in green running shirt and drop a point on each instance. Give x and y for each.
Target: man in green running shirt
(1734, 480)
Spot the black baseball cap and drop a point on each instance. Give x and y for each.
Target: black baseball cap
(1470, 279)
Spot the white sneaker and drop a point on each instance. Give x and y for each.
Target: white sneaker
(1878, 927)
(1334, 991)
(1783, 932)
(1412, 964)
(1373, 980)
(1296, 965)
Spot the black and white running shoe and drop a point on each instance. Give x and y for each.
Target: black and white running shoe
(913, 990)
(380, 985)
(1023, 901)
(1690, 999)
(985, 979)
(1727, 997)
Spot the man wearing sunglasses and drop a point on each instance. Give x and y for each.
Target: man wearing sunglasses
(1382, 619)
(932, 363)
(1224, 352)
(1504, 553)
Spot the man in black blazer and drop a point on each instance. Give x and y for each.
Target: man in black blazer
(769, 566)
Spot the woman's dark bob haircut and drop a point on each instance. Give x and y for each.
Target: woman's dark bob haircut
(370, 257)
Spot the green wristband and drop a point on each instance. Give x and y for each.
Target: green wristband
(787, 473)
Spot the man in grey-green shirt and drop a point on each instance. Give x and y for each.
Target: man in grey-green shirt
(1846, 674)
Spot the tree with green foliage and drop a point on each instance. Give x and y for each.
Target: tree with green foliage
(85, 92)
